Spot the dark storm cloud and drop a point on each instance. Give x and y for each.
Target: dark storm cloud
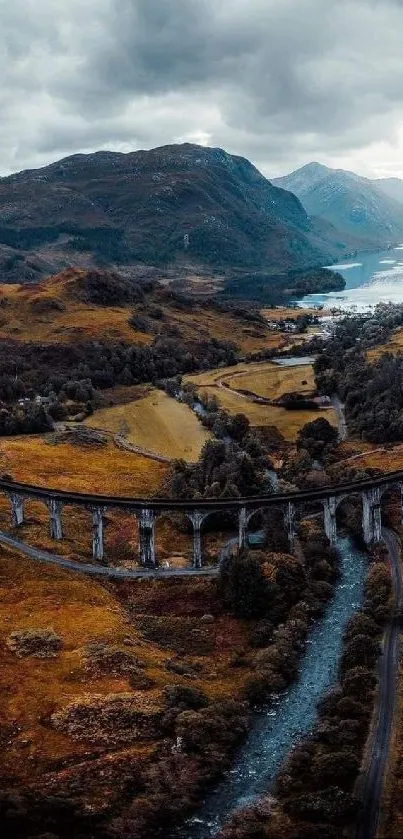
(280, 81)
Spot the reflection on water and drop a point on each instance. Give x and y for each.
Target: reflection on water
(373, 278)
(275, 729)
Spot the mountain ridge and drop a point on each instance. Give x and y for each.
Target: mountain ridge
(164, 206)
(355, 205)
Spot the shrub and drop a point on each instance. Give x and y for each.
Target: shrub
(40, 643)
(106, 658)
(114, 719)
(261, 634)
(184, 697)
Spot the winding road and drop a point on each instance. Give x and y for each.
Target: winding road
(373, 778)
(159, 573)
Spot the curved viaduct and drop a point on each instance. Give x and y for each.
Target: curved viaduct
(147, 511)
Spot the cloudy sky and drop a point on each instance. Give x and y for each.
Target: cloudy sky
(281, 82)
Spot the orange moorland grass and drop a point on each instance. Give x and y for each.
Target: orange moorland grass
(24, 317)
(76, 321)
(155, 620)
(364, 455)
(101, 470)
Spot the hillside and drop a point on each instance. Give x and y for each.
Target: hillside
(182, 205)
(68, 308)
(356, 206)
(393, 187)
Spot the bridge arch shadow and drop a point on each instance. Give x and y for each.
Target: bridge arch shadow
(121, 538)
(219, 535)
(173, 540)
(349, 514)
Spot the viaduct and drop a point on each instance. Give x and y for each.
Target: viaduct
(146, 511)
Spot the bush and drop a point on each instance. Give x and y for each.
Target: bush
(107, 659)
(184, 697)
(261, 634)
(111, 720)
(40, 643)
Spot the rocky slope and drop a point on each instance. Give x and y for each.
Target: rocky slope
(356, 206)
(393, 187)
(182, 204)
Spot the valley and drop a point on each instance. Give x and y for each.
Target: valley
(155, 682)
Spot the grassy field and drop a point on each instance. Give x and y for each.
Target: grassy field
(394, 345)
(104, 469)
(271, 380)
(288, 313)
(156, 423)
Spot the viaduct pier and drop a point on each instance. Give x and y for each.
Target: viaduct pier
(290, 506)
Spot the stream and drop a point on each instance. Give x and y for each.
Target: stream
(277, 727)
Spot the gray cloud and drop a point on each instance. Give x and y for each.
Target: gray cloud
(279, 82)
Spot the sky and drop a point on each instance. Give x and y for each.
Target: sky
(281, 82)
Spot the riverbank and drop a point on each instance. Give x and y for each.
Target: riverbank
(290, 715)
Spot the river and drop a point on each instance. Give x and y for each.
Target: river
(371, 278)
(276, 728)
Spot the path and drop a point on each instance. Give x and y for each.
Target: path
(341, 417)
(372, 786)
(103, 570)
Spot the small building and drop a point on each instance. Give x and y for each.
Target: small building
(42, 400)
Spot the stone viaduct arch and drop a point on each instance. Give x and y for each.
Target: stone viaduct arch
(147, 511)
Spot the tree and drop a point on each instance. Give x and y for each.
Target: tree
(239, 427)
(243, 586)
(317, 437)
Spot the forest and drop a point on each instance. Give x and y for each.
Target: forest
(372, 392)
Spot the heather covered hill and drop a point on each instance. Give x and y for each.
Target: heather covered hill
(356, 206)
(113, 208)
(81, 305)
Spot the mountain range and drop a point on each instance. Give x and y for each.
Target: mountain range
(188, 207)
(370, 211)
(174, 205)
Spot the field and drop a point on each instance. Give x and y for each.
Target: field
(98, 469)
(394, 346)
(272, 382)
(157, 424)
(366, 456)
(289, 313)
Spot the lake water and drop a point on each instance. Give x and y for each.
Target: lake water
(371, 278)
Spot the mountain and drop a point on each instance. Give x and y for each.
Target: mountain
(393, 187)
(356, 206)
(180, 204)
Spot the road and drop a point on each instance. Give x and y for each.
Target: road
(104, 570)
(341, 417)
(372, 786)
